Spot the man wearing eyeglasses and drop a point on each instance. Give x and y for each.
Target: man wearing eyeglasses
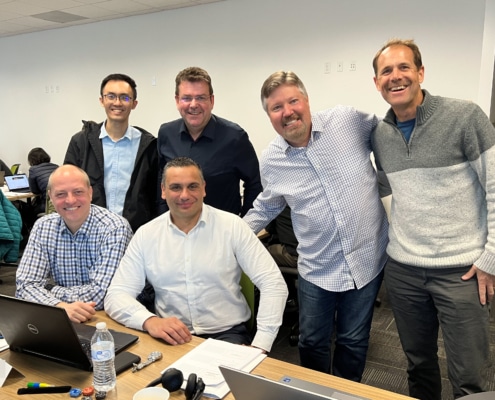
(121, 160)
(221, 147)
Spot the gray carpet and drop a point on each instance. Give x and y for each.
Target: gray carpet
(386, 364)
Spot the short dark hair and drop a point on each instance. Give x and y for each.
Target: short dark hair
(38, 156)
(119, 77)
(181, 162)
(193, 74)
(418, 62)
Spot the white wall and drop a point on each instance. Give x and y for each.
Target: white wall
(239, 42)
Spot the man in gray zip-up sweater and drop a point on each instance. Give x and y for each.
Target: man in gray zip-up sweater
(436, 156)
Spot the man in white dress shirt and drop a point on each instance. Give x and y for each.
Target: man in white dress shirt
(193, 256)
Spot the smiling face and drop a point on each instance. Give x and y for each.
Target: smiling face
(194, 104)
(117, 110)
(289, 113)
(71, 194)
(184, 191)
(399, 79)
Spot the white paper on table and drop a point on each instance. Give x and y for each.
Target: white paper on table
(205, 359)
(3, 344)
(5, 369)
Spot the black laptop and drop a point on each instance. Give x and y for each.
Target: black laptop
(18, 183)
(47, 332)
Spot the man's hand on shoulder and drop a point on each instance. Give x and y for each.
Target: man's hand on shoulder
(172, 330)
(79, 311)
(486, 283)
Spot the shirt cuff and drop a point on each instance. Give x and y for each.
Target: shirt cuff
(264, 340)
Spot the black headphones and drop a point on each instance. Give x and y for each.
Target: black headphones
(172, 380)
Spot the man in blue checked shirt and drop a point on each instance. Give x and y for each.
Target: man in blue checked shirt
(72, 255)
(320, 167)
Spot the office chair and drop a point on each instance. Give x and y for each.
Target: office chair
(290, 275)
(249, 291)
(15, 168)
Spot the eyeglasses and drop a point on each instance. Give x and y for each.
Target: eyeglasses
(124, 98)
(198, 99)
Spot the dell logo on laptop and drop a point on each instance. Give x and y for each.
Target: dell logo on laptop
(33, 329)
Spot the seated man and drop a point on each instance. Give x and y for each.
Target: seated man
(193, 256)
(71, 255)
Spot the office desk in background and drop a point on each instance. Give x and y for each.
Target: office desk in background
(19, 196)
(36, 369)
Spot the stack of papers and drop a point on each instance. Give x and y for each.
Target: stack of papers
(205, 359)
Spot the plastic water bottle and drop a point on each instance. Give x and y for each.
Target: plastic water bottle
(103, 357)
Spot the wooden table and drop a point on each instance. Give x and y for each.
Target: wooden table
(36, 369)
(19, 196)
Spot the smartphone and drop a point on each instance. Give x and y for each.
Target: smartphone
(125, 360)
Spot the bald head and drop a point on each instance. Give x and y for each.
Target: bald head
(71, 193)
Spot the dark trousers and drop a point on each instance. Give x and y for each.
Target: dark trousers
(424, 299)
(349, 314)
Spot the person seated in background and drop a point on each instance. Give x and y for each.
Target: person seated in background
(4, 167)
(282, 245)
(72, 255)
(193, 256)
(39, 172)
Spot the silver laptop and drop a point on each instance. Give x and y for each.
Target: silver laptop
(246, 386)
(18, 183)
(47, 332)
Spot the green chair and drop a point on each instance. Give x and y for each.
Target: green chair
(15, 168)
(249, 292)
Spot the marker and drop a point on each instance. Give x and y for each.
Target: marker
(50, 389)
(37, 385)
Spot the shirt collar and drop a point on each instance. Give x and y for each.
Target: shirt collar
(316, 130)
(203, 219)
(209, 130)
(129, 133)
(83, 230)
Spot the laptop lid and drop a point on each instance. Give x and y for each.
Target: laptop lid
(18, 183)
(246, 386)
(46, 331)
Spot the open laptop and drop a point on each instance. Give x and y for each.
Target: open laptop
(47, 332)
(18, 183)
(246, 386)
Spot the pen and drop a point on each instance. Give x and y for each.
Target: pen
(38, 385)
(51, 389)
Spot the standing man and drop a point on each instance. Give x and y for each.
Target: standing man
(320, 167)
(194, 256)
(436, 156)
(221, 147)
(121, 160)
(72, 254)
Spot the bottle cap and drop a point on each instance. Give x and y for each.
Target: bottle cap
(101, 325)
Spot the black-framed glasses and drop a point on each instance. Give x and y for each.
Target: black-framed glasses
(124, 98)
(198, 99)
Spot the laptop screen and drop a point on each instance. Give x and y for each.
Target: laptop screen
(17, 182)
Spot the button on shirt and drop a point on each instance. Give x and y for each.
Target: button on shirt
(330, 186)
(196, 276)
(119, 157)
(81, 264)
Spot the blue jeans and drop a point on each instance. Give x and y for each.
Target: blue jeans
(349, 314)
(424, 299)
